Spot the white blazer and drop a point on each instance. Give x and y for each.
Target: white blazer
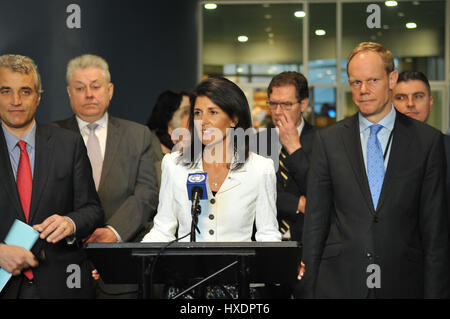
(248, 194)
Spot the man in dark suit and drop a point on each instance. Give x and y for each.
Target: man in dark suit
(289, 144)
(124, 169)
(46, 182)
(376, 216)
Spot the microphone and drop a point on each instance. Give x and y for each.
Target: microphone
(196, 188)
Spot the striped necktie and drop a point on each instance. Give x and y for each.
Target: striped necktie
(284, 173)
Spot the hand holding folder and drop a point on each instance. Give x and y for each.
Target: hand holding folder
(16, 255)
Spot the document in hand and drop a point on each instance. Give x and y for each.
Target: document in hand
(20, 234)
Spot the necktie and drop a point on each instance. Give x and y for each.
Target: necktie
(283, 171)
(375, 164)
(24, 183)
(94, 153)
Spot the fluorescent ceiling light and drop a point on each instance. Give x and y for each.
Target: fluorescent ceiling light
(320, 32)
(299, 14)
(210, 6)
(390, 3)
(242, 38)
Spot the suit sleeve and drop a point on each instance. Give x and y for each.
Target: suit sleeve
(287, 203)
(88, 213)
(434, 223)
(135, 211)
(317, 214)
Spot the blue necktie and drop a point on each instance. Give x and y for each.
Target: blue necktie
(375, 164)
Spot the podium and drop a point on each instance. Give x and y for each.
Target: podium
(180, 263)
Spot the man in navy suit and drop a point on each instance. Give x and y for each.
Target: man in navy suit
(376, 216)
(47, 183)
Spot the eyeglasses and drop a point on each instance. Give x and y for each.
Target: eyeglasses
(284, 105)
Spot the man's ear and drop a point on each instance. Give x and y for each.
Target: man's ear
(393, 77)
(304, 104)
(110, 90)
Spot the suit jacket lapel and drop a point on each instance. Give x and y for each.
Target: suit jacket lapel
(352, 142)
(7, 178)
(401, 139)
(112, 144)
(71, 124)
(43, 157)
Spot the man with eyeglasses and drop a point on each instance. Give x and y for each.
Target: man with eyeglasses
(376, 218)
(291, 150)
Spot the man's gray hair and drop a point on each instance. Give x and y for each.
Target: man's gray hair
(22, 64)
(88, 61)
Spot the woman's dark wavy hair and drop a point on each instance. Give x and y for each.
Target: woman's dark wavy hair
(230, 98)
(166, 105)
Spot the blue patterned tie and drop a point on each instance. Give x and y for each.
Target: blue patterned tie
(375, 164)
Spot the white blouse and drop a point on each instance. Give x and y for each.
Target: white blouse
(247, 195)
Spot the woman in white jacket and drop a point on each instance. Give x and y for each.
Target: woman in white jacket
(241, 185)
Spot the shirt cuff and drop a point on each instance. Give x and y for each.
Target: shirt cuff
(119, 239)
(71, 239)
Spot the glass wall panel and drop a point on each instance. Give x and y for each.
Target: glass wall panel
(322, 48)
(413, 30)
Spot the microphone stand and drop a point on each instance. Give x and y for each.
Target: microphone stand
(195, 211)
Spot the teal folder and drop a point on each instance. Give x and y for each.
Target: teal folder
(20, 234)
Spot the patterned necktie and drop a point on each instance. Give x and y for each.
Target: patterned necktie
(375, 164)
(24, 181)
(94, 153)
(283, 171)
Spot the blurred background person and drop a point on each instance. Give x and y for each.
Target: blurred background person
(161, 124)
(412, 95)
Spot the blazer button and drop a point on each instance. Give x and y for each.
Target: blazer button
(212, 201)
(211, 216)
(211, 232)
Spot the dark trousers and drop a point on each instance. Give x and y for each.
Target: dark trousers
(28, 290)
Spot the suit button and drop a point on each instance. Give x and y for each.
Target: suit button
(375, 219)
(211, 216)
(212, 201)
(211, 232)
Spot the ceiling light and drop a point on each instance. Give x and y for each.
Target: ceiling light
(242, 38)
(390, 3)
(210, 6)
(299, 14)
(320, 32)
(411, 25)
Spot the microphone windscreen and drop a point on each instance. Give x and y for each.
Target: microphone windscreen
(197, 180)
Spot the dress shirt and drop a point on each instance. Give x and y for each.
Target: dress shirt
(14, 150)
(383, 135)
